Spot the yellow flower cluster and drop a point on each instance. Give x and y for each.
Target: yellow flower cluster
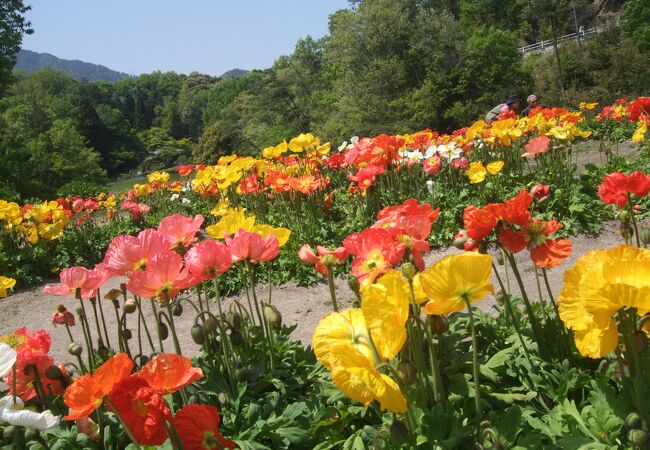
(477, 172)
(5, 285)
(601, 284)
(46, 220)
(233, 220)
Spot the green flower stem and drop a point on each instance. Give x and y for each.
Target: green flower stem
(87, 336)
(227, 352)
(170, 318)
(628, 322)
(155, 314)
(120, 339)
(93, 302)
(416, 348)
(477, 388)
(144, 323)
(529, 309)
(565, 334)
(330, 283)
(101, 313)
(630, 209)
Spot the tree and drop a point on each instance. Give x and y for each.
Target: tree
(635, 22)
(214, 143)
(12, 27)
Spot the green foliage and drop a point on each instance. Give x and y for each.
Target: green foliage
(13, 25)
(635, 23)
(214, 143)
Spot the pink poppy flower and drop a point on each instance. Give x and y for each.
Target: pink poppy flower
(252, 247)
(536, 146)
(181, 230)
(73, 278)
(208, 259)
(325, 257)
(163, 278)
(128, 253)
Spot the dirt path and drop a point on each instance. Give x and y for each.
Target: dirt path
(303, 306)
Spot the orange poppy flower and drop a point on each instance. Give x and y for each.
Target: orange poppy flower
(87, 392)
(544, 251)
(198, 428)
(169, 372)
(143, 410)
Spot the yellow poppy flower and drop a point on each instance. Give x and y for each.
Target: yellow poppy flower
(29, 231)
(495, 167)
(230, 224)
(160, 177)
(640, 132)
(385, 306)
(476, 172)
(455, 278)
(6, 284)
(51, 231)
(601, 283)
(342, 344)
(281, 234)
(222, 208)
(587, 106)
(302, 142)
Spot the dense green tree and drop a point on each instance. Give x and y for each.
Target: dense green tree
(13, 26)
(214, 143)
(635, 22)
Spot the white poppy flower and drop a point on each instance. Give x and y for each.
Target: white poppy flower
(174, 197)
(354, 139)
(431, 150)
(7, 359)
(14, 414)
(343, 146)
(430, 186)
(185, 201)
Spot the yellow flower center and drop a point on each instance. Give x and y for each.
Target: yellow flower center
(139, 407)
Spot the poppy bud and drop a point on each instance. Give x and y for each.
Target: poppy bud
(210, 325)
(163, 331)
(144, 359)
(130, 306)
(31, 434)
(438, 324)
(113, 294)
(644, 234)
(637, 437)
(53, 373)
(123, 287)
(75, 349)
(177, 310)
(540, 191)
(399, 434)
(236, 338)
(500, 259)
(353, 283)
(485, 424)
(234, 320)
(198, 334)
(482, 248)
(633, 421)
(409, 271)
(406, 372)
(637, 208)
(626, 231)
(624, 216)
(127, 334)
(223, 398)
(470, 246)
(88, 427)
(9, 432)
(640, 341)
(243, 374)
(460, 239)
(273, 316)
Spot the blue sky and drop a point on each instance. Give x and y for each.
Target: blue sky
(209, 36)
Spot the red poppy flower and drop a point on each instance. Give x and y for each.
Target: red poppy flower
(376, 250)
(536, 146)
(207, 259)
(325, 257)
(250, 185)
(480, 222)
(163, 278)
(539, 191)
(198, 428)
(184, 170)
(169, 372)
(144, 411)
(87, 392)
(409, 218)
(617, 187)
(253, 247)
(180, 230)
(544, 251)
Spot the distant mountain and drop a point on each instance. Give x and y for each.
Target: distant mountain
(29, 62)
(234, 73)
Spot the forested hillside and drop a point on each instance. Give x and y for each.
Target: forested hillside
(386, 66)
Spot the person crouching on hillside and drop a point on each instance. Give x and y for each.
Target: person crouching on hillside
(512, 104)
